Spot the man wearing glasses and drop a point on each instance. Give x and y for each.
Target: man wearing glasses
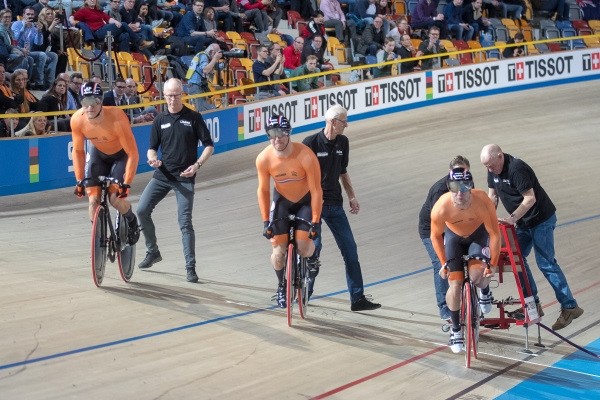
(293, 54)
(176, 132)
(263, 71)
(332, 149)
(116, 97)
(112, 152)
(296, 174)
(464, 223)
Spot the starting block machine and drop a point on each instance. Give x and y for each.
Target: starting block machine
(511, 261)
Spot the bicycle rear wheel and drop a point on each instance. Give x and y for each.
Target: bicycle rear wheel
(476, 318)
(467, 321)
(290, 275)
(125, 252)
(302, 287)
(99, 245)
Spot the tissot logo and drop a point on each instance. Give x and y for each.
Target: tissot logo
(255, 120)
(392, 92)
(516, 71)
(315, 106)
(468, 78)
(591, 62)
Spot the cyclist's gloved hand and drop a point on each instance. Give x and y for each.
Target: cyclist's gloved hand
(79, 189)
(268, 230)
(314, 231)
(123, 190)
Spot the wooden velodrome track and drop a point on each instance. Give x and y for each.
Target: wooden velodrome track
(160, 337)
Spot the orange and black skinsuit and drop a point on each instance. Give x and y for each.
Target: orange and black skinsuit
(114, 152)
(297, 189)
(456, 232)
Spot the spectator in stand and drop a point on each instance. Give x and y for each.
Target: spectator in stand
(13, 57)
(255, 14)
(473, 15)
(263, 72)
(137, 115)
(74, 90)
(28, 34)
(129, 15)
(37, 7)
(453, 14)
(209, 19)
(407, 50)
(116, 96)
(560, 7)
(316, 49)
(372, 38)
(113, 9)
(192, 31)
(37, 126)
(71, 37)
(71, 102)
(385, 54)
(314, 27)
(9, 125)
(156, 17)
(366, 10)
(56, 100)
(279, 72)
(293, 55)
(500, 9)
(334, 17)
(309, 67)
(518, 51)
(222, 13)
(432, 46)
(26, 100)
(425, 16)
(200, 72)
(7, 98)
(402, 28)
(95, 25)
(275, 13)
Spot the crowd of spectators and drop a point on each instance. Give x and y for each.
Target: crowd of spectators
(35, 35)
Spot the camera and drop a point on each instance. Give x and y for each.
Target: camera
(234, 53)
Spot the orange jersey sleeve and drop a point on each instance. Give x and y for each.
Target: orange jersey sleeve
(294, 176)
(109, 136)
(465, 222)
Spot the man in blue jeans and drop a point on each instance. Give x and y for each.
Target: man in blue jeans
(332, 148)
(513, 182)
(435, 192)
(176, 133)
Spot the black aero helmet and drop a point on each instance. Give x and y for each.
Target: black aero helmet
(460, 180)
(91, 89)
(277, 126)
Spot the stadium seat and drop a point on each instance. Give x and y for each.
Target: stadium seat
(399, 7)
(441, 6)
(572, 44)
(592, 41)
(582, 27)
(575, 12)
(479, 56)
(293, 18)
(412, 4)
(554, 47)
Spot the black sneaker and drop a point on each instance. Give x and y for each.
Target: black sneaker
(133, 231)
(150, 260)
(191, 275)
(363, 304)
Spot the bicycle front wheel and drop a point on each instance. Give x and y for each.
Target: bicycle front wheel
(125, 252)
(99, 245)
(302, 287)
(475, 320)
(290, 277)
(466, 317)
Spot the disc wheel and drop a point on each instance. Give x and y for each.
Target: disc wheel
(99, 245)
(125, 252)
(467, 318)
(290, 276)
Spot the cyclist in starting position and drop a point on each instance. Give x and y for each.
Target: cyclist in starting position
(464, 222)
(112, 152)
(297, 176)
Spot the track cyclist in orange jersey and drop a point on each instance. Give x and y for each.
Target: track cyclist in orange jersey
(111, 152)
(464, 223)
(295, 171)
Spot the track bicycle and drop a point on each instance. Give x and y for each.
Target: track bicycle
(470, 311)
(109, 242)
(296, 272)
